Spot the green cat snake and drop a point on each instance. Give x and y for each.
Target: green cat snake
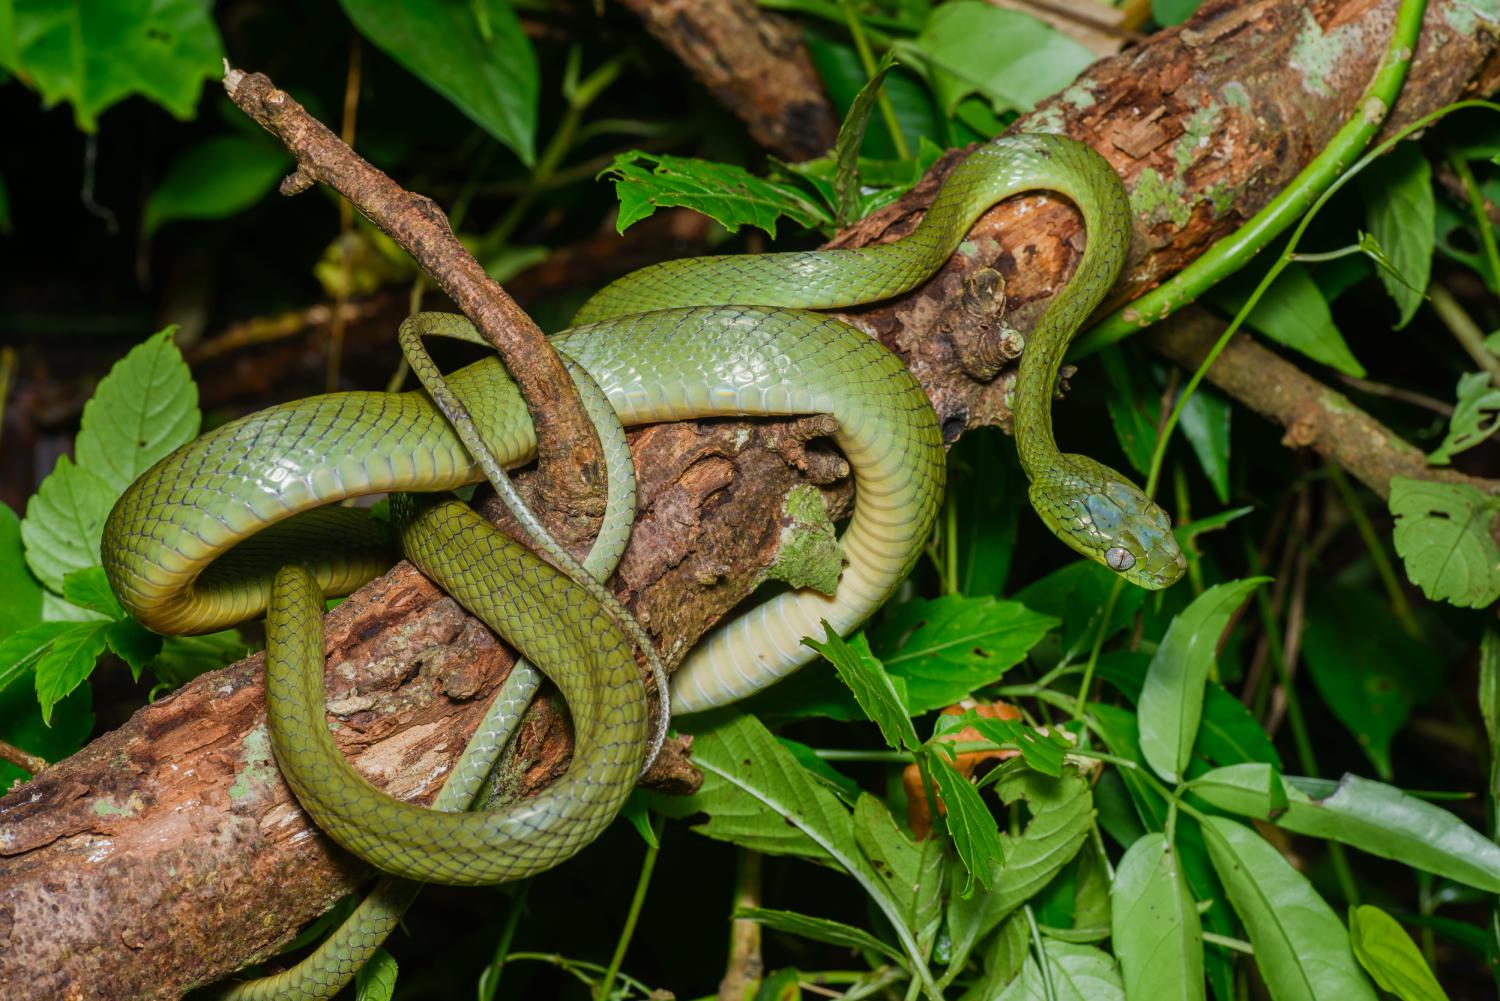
(244, 521)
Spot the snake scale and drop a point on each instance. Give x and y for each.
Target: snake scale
(239, 523)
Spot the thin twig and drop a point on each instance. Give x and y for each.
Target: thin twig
(24, 760)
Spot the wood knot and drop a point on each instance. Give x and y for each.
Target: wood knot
(820, 466)
(973, 325)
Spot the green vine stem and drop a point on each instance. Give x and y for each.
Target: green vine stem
(1235, 251)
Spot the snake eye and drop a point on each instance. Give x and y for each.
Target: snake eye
(1118, 558)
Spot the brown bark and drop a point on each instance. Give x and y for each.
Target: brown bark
(753, 62)
(178, 814)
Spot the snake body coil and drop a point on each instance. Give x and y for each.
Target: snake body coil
(202, 540)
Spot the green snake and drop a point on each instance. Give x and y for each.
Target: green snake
(238, 523)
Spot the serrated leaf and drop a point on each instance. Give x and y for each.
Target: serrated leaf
(948, 647)
(64, 522)
(1382, 820)
(475, 54)
(1155, 929)
(1401, 211)
(22, 604)
(133, 643)
(1171, 703)
(1390, 956)
(21, 649)
(1301, 948)
(976, 836)
(218, 177)
(97, 54)
(872, 687)
(89, 588)
(819, 930)
(1009, 58)
(376, 980)
(846, 180)
(1004, 956)
(914, 873)
(144, 408)
(68, 662)
(1061, 816)
(1443, 538)
(1476, 417)
(730, 195)
(1042, 751)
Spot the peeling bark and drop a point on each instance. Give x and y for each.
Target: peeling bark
(178, 815)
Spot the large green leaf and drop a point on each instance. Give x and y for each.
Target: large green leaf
(1301, 948)
(947, 647)
(1172, 700)
(1390, 956)
(24, 647)
(1004, 955)
(1401, 211)
(1475, 418)
(645, 182)
(216, 178)
(376, 980)
(68, 662)
(1155, 929)
(872, 686)
(1253, 789)
(1078, 973)
(22, 607)
(96, 53)
(1443, 537)
(976, 836)
(65, 521)
(914, 873)
(1009, 58)
(1205, 424)
(1061, 815)
(1293, 312)
(1383, 820)
(1133, 403)
(475, 54)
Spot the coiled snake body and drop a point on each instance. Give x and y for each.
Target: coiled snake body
(238, 521)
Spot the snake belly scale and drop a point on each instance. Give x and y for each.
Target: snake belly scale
(203, 540)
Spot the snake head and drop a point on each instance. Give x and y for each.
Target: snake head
(1104, 516)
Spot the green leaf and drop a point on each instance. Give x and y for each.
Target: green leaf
(843, 73)
(1301, 948)
(1205, 424)
(65, 521)
(144, 408)
(475, 54)
(376, 980)
(1062, 813)
(216, 178)
(1009, 58)
(1443, 538)
(1172, 700)
(851, 138)
(133, 643)
(1004, 955)
(1475, 418)
(1155, 929)
(1369, 672)
(871, 686)
(68, 662)
(975, 834)
(914, 873)
(89, 588)
(1489, 686)
(1382, 820)
(21, 649)
(1229, 734)
(1401, 211)
(1169, 12)
(1390, 956)
(845, 788)
(637, 812)
(1041, 751)
(1134, 405)
(97, 54)
(1252, 789)
(1293, 312)
(732, 196)
(947, 647)
(22, 607)
(988, 487)
(1078, 973)
(1078, 593)
(819, 930)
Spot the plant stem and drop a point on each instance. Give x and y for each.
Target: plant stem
(1088, 671)
(1464, 330)
(642, 883)
(489, 980)
(1481, 217)
(867, 60)
(1399, 604)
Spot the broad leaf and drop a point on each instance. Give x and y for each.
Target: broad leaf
(1293, 313)
(24, 647)
(65, 521)
(914, 873)
(819, 930)
(948, 647)
(1172, 699)
(1253, 789)
(1390, 956)
(871, 686)
(1170, 12)
(1078, 973)
(1205, 424)
(975, 834)
(475, 54)
(1133, 403)
(1301, 948)
(1004, 955)
(22, 607)
(376, 980)
(218, 177)
(68, 662)
(97, 54)
(1156, 932)
(1400, 211)
(1475, 419)
(732, 196)
(89, 588)
(1443, 538)
(1383, 820)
